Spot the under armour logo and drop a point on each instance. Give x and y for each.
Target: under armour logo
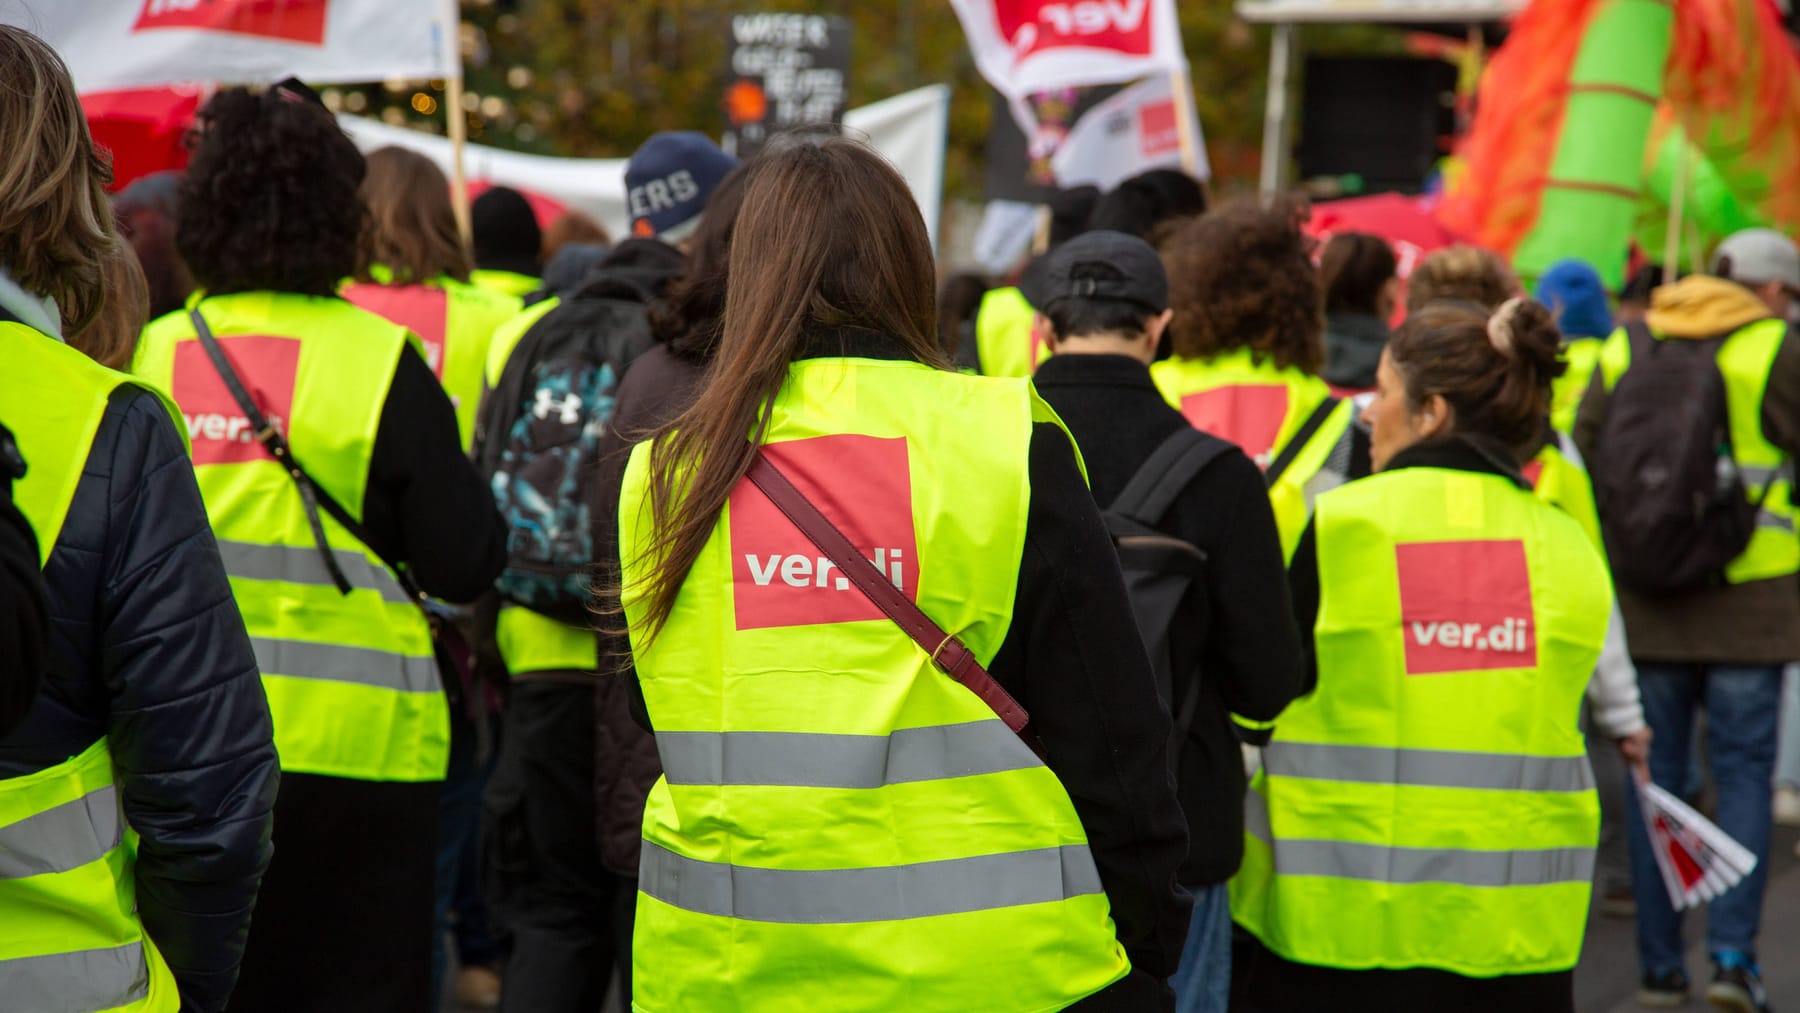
(569, 406)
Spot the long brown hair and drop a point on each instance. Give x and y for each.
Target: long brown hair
(411, 228)
(56, 224)
(829, 236)
(112, 339)
(688, 320)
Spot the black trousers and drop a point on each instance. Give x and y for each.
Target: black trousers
(343, 919)
(562, 921)
(1263, 982)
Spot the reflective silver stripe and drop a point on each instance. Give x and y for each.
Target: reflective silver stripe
(884, 893)
(67, 837)
(1431, 768)
(1756, 474)
(336, 663)
(803, 759)
(83, 980)
(1384, 864)
(297, 565)
(1770, 519)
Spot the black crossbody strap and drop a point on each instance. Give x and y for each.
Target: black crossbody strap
(312, 496)
(1168, 470)
(1308, 430)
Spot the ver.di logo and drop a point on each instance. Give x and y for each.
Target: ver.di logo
(301, 21)
(863, 485)
(1465, 606)
(217, 427)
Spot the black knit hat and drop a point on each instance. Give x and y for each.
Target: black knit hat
(507, 237)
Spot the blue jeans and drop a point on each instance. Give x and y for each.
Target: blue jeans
(1742, 705)
(1203, 982)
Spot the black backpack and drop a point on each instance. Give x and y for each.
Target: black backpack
(1673, 506)
(539, 444)
(1161, 570)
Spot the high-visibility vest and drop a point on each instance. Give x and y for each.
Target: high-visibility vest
(509, 283)
(527, 641)
(1431, 804)
(353, 685)
(454, 320)
(1003, 335)
(1745, 360)
(70, 936)
(1581, 355)
(1261, 407)
(1557, 477)
(840, 825)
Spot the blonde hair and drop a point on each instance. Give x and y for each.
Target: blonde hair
(56, 225)
(1461, 274)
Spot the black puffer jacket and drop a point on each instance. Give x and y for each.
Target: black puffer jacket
(148, 649)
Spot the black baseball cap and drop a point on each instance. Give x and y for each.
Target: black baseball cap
(1101, 265)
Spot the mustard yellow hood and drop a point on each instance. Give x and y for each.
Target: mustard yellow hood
(1700, 306)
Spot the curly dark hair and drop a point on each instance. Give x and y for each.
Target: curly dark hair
(1243, 277)
(270, 201)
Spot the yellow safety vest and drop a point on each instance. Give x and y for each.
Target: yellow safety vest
(454, 320)
(353, 685)
(505, 282)
(1260, 407)
(1430, 804)
(70, 936)
(527, 641)
(1745, 361)
(1582, 355)
(1003, 335)
(813, 842)
(1560, 481)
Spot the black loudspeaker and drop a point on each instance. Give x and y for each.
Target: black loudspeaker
(1381, 118)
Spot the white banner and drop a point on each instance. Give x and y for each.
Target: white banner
(1131, 132)
(1025, 46)
(112, 44)
(909, 129)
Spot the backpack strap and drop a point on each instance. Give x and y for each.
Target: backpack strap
(1175, 462)
(1300, 439)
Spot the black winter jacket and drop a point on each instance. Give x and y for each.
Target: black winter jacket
(148, 649)
(24, 615)
(1238, 633)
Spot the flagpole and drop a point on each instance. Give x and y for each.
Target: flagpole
(459, 139)
(1183, 85)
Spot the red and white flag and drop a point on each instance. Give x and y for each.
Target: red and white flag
(1698, 861)
(1131, 132)
(117, 44)
(1025, 46)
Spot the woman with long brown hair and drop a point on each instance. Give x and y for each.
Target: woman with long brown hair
(843, 821)
(412, 269)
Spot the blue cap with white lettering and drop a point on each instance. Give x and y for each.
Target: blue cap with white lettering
(669, 180)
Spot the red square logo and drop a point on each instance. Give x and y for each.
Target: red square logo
(1249, 415)
(300, 21)
(1157, 132)
(218, 428)
(1465, 606)
(863, 485)
(1035, 26)
(423, 310)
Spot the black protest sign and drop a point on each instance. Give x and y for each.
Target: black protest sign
(783, 70)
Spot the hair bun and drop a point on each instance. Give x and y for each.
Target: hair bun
(1524, 331)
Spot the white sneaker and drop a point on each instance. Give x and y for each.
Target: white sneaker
(1787, 807)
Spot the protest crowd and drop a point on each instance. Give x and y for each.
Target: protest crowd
(749, 614)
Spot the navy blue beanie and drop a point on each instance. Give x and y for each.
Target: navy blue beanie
(1572, 290)
(669, 180)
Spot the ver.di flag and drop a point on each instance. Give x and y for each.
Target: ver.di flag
(1697, 860)
(1026, 46)
(117, 44)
